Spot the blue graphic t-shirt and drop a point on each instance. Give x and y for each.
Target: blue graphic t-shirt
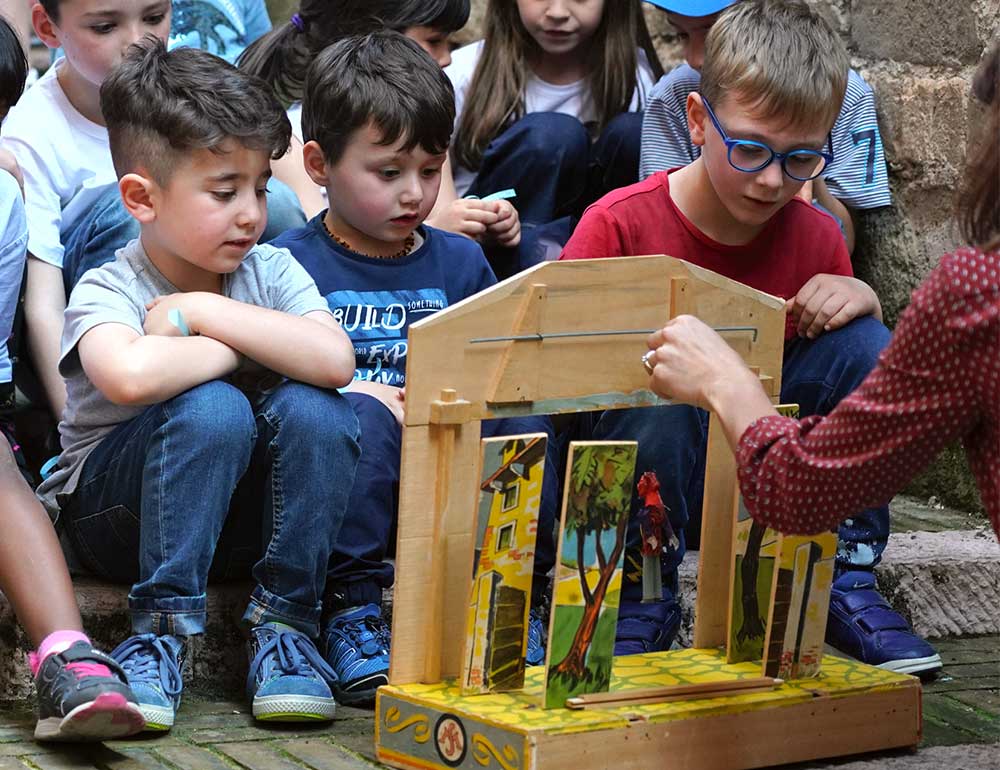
(222, 27)
(376, 300)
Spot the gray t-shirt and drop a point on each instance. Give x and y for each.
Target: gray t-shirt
(117, 293)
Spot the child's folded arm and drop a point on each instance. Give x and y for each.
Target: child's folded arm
(310, 348)
(134, 369)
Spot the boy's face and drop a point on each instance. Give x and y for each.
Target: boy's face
(96, 33)
(751, 199)
(378, 194)
(560, 26)
(211, 211)
(692, 31)
(434, 41)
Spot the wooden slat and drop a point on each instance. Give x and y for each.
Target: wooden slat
(715, 563)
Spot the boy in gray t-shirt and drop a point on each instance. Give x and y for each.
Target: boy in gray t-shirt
(202, 428)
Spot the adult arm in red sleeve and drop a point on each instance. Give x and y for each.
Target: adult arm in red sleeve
(806, 477)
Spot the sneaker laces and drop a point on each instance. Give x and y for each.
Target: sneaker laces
(147, 658)
(370, 634)
(296, 656)
(84, 670)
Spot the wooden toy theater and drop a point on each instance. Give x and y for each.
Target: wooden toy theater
(754, 690)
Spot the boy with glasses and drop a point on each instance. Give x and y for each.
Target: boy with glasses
(772, 82)
(857, 180)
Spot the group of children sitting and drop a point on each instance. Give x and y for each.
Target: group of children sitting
(231, 395)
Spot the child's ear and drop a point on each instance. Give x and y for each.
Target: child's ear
(45, 28)
(696, 117)
(138, 194)
(314, 162)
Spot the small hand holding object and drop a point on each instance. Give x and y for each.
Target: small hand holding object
(827, 302)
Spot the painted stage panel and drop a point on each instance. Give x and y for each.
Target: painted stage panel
(497, 621)
(596, 506)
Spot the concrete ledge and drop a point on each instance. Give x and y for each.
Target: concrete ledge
(945, 583)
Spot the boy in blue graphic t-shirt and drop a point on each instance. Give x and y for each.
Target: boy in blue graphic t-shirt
(377, 118)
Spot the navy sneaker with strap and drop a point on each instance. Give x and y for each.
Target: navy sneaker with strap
(288, 680)
(864, 626)
(153, 666)
(357, 648)
(83, 696)
(647, 627)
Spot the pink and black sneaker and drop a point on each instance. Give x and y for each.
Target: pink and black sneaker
(83, 695)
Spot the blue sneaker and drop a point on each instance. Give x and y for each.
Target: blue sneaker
(357, 648)
(152, 665)
(864, 626)
(647, 627)
(288, 679)
(538, 634)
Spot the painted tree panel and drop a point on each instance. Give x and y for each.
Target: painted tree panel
(496, 630)
(596, 504)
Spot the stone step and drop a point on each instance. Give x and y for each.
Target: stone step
(945, 583)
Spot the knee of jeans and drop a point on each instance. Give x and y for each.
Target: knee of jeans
(311, 411)
(859, 344)
(550, 137)
(215, 412)
(623, 129)
(284, 212)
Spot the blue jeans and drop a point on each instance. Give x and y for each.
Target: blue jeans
(816, 374)
(206, 482)
(109, 226)
(358, 570)
(548, 158)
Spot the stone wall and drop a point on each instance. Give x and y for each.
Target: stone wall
(919, 56)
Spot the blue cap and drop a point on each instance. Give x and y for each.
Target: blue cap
(693, 7)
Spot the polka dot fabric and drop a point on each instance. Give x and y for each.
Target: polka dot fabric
(937, 381)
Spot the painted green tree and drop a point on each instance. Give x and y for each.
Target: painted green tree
(599, 501)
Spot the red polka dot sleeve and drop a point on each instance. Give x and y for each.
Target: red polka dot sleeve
(937, 381)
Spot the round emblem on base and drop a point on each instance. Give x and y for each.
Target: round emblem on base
(449, 737)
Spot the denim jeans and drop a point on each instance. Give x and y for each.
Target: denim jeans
(816, 374)
(268, 485)
(548, 158)
(358, 570)
(109, 226)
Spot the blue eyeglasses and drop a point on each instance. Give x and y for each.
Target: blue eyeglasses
(749, 156)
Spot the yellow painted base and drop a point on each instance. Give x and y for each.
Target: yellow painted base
(848, 708)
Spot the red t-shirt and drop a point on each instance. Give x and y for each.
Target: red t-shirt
(796, 244)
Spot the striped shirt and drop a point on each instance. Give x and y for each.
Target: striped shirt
(857, 175)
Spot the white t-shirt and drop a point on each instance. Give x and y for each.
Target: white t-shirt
(539, 96)
(65, 159)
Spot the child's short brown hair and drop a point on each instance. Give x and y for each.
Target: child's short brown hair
(779, 57)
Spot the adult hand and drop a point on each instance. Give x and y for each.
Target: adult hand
(690, 362)
(827, 302)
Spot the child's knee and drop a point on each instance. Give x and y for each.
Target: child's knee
(214, 411)
(861, 342)
(313, 411)
(549, 136)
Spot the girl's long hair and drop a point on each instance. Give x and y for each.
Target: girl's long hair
(979, 200)
(282, 56)
(495, 95)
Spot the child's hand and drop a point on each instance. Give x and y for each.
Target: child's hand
(390, 396)
(506, 231)
(189, 304)
(828, 302)
(468, 216)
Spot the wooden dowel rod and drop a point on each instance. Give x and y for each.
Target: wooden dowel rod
(673, 692)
